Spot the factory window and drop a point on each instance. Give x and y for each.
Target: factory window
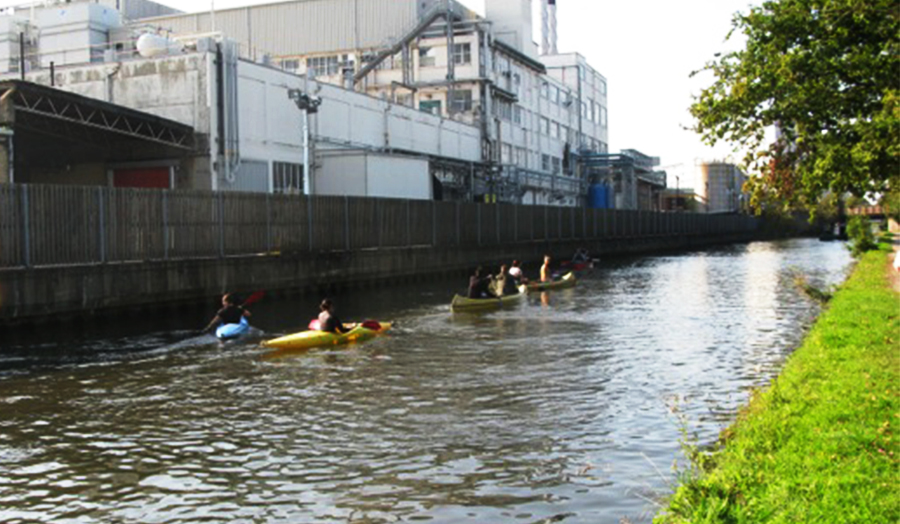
(517, 114)
(590, 111)
(557, 165)
(287, 178)
(506, 154)
(462, 54)
(405, 99)
(602, 87)
(427, 57)
(291, 64)
(322, 66)
(582, 73)
(430, 106)
(546, 165)
(545, 90)
(603, 118)
(461, 100)
(545, 125)
(554, 130)
(597, 112)
(554, 94)
(521, 157)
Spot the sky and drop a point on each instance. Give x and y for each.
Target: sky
(646, 49)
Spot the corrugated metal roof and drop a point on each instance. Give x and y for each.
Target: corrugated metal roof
(303, 26)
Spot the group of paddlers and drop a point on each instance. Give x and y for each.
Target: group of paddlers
(505, 282)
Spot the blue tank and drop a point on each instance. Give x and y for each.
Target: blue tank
(600, 196)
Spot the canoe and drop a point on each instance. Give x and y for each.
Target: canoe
(464, 304)
(316, 339)
(567, 280)
(233, 331)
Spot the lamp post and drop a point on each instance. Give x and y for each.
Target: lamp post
(677, 193)
(307, 105)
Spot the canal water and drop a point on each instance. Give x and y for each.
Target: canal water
(565, 408)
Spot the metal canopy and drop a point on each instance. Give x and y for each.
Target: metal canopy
(74, 117)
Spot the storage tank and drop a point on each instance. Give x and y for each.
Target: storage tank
(151, 45)
(600, 196)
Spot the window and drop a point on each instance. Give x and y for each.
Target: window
(287, 178)
(602, 87)
(597, 112)
(521, 157)
(517, 114)
(503, 109)
(322, 66)
(545, 125)
(426, 57)
(546, 164)
(461, 100)
(405, 100)
(291, 64)
(554, 94)
(557, 165)
(505, 154)
(430, 106)
(462, 54)
(554, 130)
(603, 120)
(545, 90)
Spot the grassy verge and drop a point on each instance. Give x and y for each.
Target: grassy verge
(819, 445)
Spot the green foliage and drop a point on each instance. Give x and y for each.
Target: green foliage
(859, 230)
(826, 73)
(891, 203)
(820, 444)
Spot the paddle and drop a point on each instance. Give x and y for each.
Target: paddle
(252, 299)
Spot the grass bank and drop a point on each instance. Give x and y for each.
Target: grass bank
(820, 445)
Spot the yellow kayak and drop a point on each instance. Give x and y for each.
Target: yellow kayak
(568, 280)
(463, 304)
(316, 339)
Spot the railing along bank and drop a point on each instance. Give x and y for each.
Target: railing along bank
(43, 225)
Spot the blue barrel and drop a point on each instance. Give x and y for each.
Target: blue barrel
(600, 196)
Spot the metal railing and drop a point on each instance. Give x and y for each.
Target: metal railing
(42, 225)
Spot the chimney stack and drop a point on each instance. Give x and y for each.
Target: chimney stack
(548, 28)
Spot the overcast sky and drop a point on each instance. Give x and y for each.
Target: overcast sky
(645, 48)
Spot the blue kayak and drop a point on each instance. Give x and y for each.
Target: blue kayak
(233, 331)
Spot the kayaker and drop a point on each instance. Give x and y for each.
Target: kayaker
(480, 286)
(516, 272)
(504, 284)
(545, 270)
(328, 321)
(231, 313)
(581, 256)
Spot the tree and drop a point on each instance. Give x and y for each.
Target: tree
(826, 74)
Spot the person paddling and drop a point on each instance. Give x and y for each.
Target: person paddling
(504, 284)
(516, 272)
(480, 286)
(545, 270)
(328, 321)
(231, 313)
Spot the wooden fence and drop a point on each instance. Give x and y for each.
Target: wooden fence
(66, 225)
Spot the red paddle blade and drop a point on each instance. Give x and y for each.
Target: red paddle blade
(372, 324)
(314, 325)
(254, 298)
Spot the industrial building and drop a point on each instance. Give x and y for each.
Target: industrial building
(414, 98)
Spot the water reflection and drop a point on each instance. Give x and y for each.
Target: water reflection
(551, 410)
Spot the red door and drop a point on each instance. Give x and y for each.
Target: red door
(144, 177)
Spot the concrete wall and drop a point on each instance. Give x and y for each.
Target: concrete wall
(34, 295)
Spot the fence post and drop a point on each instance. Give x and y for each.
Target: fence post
(26, 228)
(165, 217)
(458, 233)
(268, 223)
(408, 223)
(497, 207)
(101, 224)
(478, 207)
(309, 220)
(347, 221)
(221, 204)
(516, 223)
(434, 241)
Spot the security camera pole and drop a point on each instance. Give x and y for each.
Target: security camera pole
(308, 105)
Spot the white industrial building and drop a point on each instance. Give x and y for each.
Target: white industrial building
(419, 97)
